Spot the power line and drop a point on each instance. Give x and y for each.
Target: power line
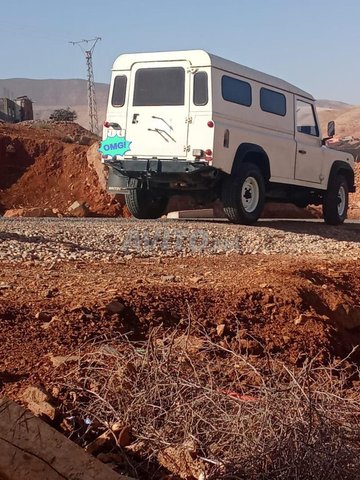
(92, 107)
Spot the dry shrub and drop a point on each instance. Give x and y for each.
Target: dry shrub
(234, 416)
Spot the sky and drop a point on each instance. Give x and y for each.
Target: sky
(313, 44)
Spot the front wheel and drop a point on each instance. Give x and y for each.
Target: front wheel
(243, 196)
(144, 203)
(336, 201)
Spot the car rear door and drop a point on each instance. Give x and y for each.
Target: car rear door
(158, 109)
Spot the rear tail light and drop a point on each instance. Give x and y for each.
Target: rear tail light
(208, 152)
(106, 124)
(210, 124)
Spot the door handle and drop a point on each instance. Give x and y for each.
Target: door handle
(302, 151)
(135, 118)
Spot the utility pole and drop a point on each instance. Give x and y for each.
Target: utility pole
(92, 108)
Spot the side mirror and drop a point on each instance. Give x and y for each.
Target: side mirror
(330, 132)
(331, 129)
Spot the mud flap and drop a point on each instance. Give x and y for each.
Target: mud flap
(117, 183)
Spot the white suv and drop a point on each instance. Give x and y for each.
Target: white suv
(190, 124)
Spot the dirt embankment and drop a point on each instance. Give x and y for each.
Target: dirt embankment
(44, 164)
(279, 306)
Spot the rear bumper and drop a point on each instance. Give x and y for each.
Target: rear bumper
(147, 167)
(155, 171)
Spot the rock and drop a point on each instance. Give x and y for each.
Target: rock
(60, 360)
(68, 139)
(4, 286)
(300, 319)
(43, 316)
(94, 160)
(31, 449)
(53, 320)
(117, 427)
(78, 209)
(303, 317)
(85, 140)
(220, 329)
(36, 212)
(51, 293)
(196, 279)
(75, 308)
(115, 306)
(182, 461)
(167, 278)
(99, 442)
(55, 392)
(38, 402)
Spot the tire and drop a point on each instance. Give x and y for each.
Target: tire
(336, 201)
(144, 203)
(243, 196)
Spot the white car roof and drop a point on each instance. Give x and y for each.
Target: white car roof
(201, 58)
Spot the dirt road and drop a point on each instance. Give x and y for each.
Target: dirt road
(112, 239)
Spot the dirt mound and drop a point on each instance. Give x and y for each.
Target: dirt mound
(44, 164)
(305, 308)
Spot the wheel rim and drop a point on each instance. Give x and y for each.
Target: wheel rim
(250, 194)
(341, 201)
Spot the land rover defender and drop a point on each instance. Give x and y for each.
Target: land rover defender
(191, 124)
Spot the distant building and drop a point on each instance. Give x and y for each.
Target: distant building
(18, 110)
(26, 106)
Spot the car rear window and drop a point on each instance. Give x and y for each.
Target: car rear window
(119, 91)
(159, 86)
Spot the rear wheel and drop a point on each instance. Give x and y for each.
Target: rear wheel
(336, 201)
(243, 196)
(144, 203)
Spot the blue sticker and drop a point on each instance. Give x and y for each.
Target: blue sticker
(115, 146)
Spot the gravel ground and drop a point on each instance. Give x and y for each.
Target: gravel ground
(111, 239)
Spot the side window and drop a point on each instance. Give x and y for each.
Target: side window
(201, 95)
(236, 91)
(272, 102)
(305, 119)
(119, 91)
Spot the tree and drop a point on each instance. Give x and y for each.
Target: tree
(63, 115)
